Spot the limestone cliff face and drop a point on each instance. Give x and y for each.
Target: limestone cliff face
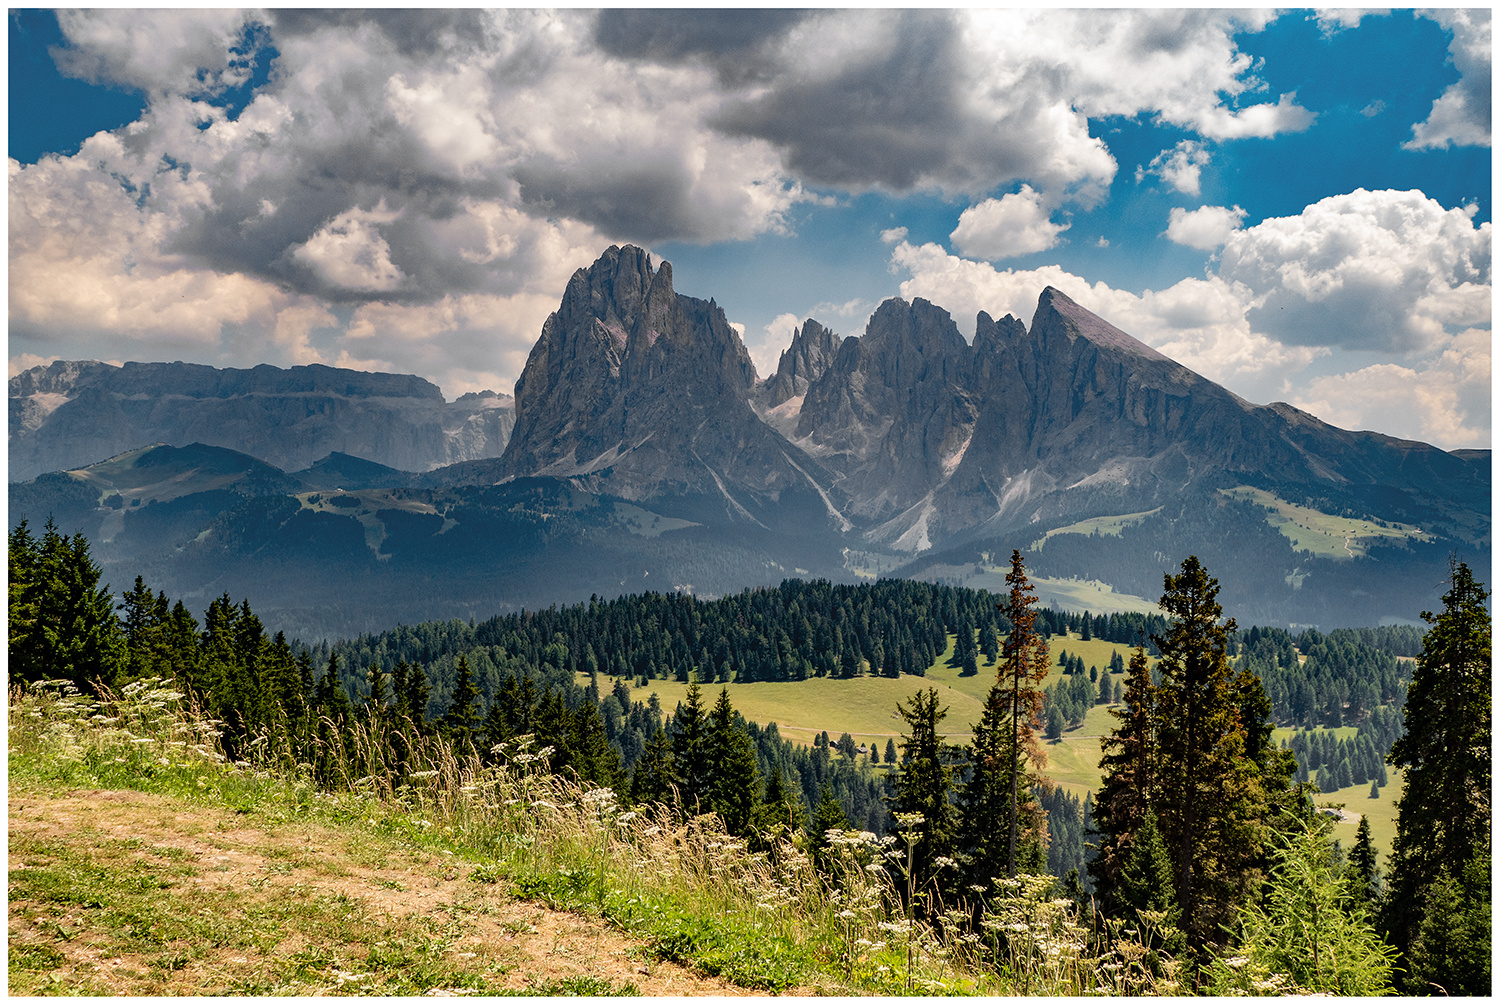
(1077, 417)
(894, 412)
(644, 393)
(811, 353)
(69, 414)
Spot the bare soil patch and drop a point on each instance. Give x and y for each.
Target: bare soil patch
(294, 908)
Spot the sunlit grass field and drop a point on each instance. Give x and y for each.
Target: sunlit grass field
(1323, 534)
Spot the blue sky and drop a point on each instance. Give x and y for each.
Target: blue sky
(1297, 206)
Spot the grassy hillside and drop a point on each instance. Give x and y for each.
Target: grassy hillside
(142, 863)
(1324, 534)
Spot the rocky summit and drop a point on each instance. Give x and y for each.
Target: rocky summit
(638, 391)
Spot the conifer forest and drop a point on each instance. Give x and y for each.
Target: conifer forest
(1202, 862)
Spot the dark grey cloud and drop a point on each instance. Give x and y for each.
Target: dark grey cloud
(890, 116)
(738, 44)
(640, 202)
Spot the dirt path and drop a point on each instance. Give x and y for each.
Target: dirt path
(217, 863)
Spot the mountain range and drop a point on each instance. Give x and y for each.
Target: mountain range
(642, 451)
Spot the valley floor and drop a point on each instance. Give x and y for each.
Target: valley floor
(130, 893)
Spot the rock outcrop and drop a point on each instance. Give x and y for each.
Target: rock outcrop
(68, 414)
(644, 393)
(809, 356)
(894, 412)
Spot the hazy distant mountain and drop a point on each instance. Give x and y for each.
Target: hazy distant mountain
(68, 414)
(645, 455)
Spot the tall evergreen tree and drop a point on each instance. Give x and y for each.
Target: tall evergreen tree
(1013, 708)
(782, 806)
(924, 789)
(62, 622)
(653, 778)
(1444, 813)
(1363, 861)
(1128, 762)
(462, 720)
(829, 816)
(734, 779)
(690, 752)
(1213, 799)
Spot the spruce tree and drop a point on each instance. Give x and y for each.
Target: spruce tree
(1213, 798)
(416, 695)
(781, 809)
(654, 774)
(62, 622)
(1363, 862)
(462, 721)
(925, 816)
(1444, 813)
(1143, 889)
(733, 777)
(690, 752)
(1131, 781)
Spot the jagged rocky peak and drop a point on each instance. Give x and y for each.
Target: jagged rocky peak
(907, 352)
(1057, 313)
(638, 387)
(809, 356)
(991, 336)
(621, 323)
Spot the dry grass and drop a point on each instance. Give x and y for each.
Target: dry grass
(247, 879)
(130, 893)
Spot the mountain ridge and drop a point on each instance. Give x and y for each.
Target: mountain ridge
(647, 454)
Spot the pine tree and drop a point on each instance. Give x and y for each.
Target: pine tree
(1444, 815)
(690, 752)
(1131, 782)
(781, 811)
(1143, 888)
(734, 779)
(653, 777)
(62, 622)
(925, 815)
(1017, 699)
(462, 721)
(1362, 863)
(415, 696)
(1213, 799)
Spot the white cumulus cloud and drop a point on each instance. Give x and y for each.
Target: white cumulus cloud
(1204, 228)
(349, 251)
(1444, 400)
(1461, 114)
(1374, 270)
(1181, 167)
(1015, 224)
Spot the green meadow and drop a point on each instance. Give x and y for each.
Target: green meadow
(865, 708)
